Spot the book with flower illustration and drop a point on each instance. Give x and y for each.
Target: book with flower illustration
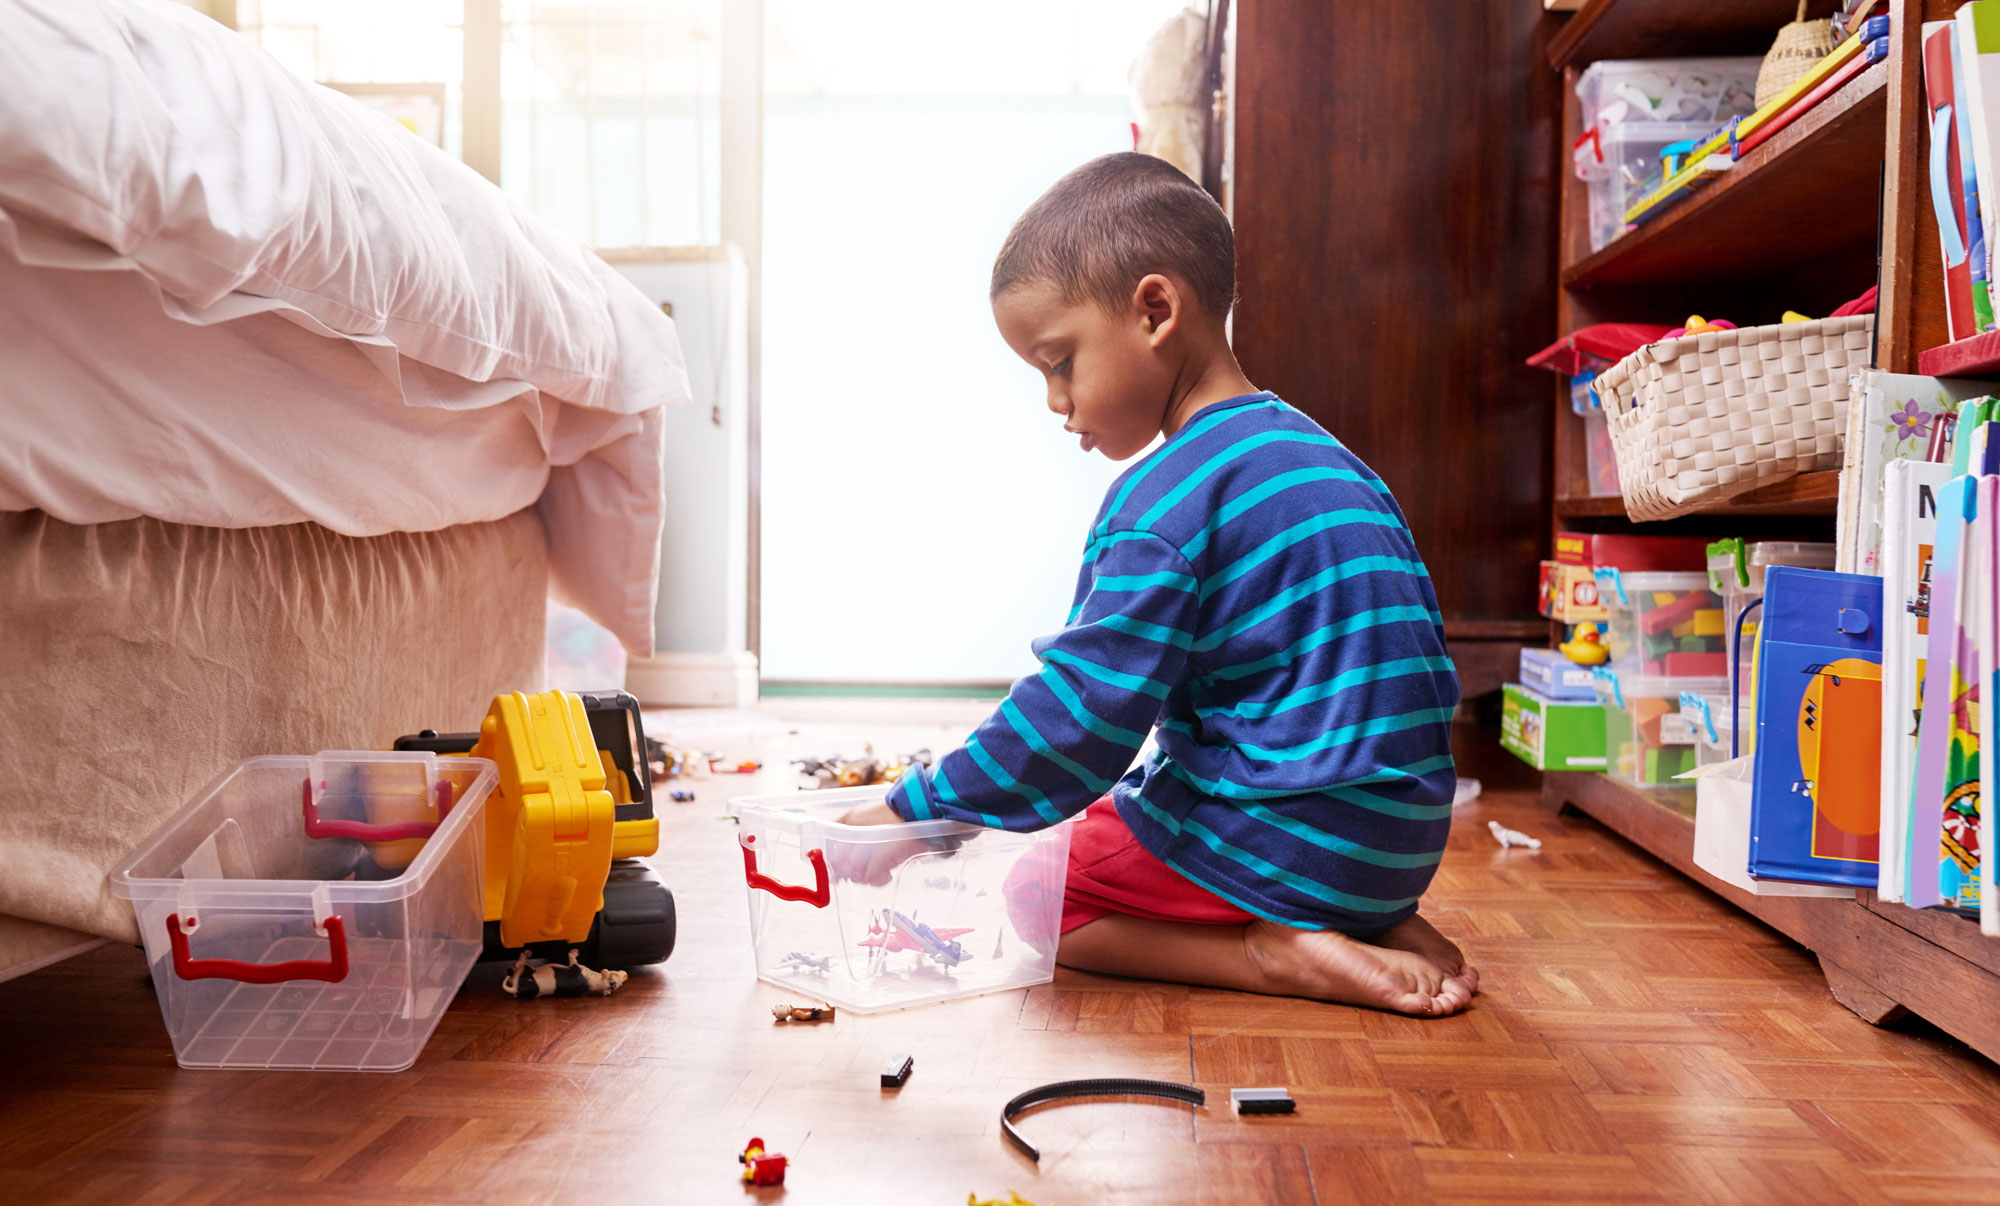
(1891, 416)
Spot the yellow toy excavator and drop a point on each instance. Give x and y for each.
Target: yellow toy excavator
(567, 828)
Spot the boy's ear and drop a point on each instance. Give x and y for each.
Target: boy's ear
(1157, 302)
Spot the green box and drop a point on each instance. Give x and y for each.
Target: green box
(1552, 734)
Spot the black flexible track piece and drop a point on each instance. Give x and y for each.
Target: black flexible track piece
(1103, 1087)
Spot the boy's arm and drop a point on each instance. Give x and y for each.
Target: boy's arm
(1065, 735)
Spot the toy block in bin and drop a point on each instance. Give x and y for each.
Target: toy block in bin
(1647, 738)
(314, 912)
(878, 917)
(1655, 616)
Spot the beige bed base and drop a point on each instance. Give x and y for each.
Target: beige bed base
(139, 659)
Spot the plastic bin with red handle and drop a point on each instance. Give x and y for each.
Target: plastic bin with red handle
(314, 912)
(877, 917)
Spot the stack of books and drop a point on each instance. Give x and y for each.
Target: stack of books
(1962, 78)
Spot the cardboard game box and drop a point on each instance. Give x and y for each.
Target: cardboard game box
(1552, 734)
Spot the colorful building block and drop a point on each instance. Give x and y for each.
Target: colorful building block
(1696, 665)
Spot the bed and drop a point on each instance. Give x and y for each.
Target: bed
(300, 424)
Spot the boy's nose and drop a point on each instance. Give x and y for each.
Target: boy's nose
(1059, 403)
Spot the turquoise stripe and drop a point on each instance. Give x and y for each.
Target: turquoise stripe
(1139, 582)
(1332, 687)
(1266, 869)
(1200, 425)
(1353, 568)
(1326, 635)
(1374, 727)
(1009, 784)
(1067, 696)
(1389, 808)
(912, 787)
(1025, 730)
(1140, 628)
(1097, 544)
(1208, 468)
(1237, 791)
(1103, 674)
(1274, 485)
(1293, 535)
(1340, 845)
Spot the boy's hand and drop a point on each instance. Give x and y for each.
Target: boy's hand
(871, 814)
(875, 862)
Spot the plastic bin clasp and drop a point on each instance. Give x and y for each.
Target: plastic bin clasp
(816, 896)
(332, 969)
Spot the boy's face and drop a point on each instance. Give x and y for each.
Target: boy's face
(1107, 375)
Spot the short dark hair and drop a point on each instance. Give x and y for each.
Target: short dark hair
(1113, 221)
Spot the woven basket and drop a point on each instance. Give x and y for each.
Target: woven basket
(1705, 417)
(1799, 45)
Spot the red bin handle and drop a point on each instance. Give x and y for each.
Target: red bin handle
(333, 969)
(814, 896)
(370, 832)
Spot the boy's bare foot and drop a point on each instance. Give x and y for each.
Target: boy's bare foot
(1414, 970)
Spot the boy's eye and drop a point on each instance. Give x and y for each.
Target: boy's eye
(1060, 367)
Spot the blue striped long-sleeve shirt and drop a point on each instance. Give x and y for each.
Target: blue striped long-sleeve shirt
(1251, 594)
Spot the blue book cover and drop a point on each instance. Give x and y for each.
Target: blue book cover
(1815, 808)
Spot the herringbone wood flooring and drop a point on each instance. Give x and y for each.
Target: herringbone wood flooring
(1635, 1040)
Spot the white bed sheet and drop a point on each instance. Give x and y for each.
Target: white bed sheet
(236, 299)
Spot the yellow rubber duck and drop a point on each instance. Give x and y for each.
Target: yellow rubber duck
(1586, 648)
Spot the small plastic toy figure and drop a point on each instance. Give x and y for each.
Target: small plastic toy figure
(865, 771)
(1509, 838)
(800, 961)
(680, 796)
(749, 766)
(761, 1167)
(559, 980)
(1012, 1199)
(803, 1013)
(1586, 648)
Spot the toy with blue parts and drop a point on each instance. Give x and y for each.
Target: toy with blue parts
(896, 932)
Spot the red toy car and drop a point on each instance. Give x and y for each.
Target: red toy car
(761, 1168)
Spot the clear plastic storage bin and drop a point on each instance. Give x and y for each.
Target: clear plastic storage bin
(1634, 107)
(1741, 585)
(876, 917)
(1648, 741)
(314, 912)
(1663, 625)
(1713, 725)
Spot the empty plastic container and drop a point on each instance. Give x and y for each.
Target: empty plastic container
(1663, 625)
(1647, 739)
(877, 917)
(314, 912)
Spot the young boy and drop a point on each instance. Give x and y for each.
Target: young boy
(1251, 597)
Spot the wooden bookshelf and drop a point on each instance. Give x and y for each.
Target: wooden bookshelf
(1664, 29)
(1832, 203)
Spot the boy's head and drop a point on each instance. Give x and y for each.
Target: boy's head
(1109, 284)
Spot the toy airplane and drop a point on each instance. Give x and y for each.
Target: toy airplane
(800, 961)
(904, 934)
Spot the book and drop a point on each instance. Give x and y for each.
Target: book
(1971, 858)
(1947, 180)
(1976, 81)
(1975, 226)
(1890, 417)
(1920, 887)
(1909, 531)
(1968, 766)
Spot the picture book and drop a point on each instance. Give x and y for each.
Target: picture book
(1891, 417)
(1947, 180)
(1957, 827)
(1976, 81)
(1909, 530)
(1975, 228)
(1814, 810)
(1920, 890)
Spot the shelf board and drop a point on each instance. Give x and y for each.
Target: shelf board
(1806, 494)
(1657, 29)
(1808, 193)
(1978, 356)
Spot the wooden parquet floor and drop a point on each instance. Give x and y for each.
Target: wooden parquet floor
(1634, 1040)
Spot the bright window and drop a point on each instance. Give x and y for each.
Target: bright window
(923, 512)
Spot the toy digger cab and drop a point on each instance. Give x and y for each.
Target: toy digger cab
(567, 828)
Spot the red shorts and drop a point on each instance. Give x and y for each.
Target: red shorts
(1110, 872)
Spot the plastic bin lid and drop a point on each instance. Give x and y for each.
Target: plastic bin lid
(1615, 688)
(1809, 554)
(1625, 583)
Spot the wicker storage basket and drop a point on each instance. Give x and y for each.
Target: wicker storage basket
(1704, 417)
